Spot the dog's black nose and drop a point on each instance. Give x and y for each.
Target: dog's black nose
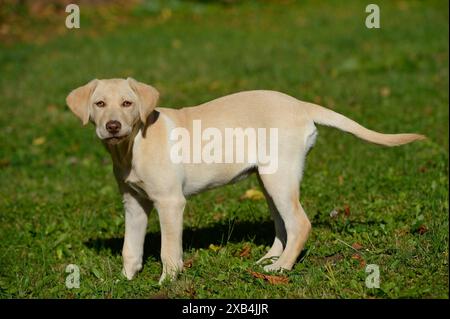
(113, 127)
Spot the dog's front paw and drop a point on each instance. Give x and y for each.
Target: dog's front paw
(267, 259)
(130, 271)
(275, 267)
(171, 272)
(167, 277)
(163, 278)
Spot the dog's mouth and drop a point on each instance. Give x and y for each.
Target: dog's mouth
(114, 139)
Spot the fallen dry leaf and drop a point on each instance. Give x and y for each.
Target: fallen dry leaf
(257, 274)
(358, 257)
(245, 251)
(253, 194)
(273, 280)
(214, 248)
(188, 263)
(276, 280)
(423, 169)
(341, 179)
(422, 229)
(347, 210)
(39, 141)
(357, 246)
(385, 91)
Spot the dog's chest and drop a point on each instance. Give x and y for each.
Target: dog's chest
(135, 183)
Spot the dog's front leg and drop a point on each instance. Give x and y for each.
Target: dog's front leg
(170, 212)
(136, 209)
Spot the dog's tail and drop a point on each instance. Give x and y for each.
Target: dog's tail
(324, 116)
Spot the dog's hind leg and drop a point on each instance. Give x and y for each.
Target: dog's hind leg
(296, 223)
(280, 232)
(282, 187)
(298, 230)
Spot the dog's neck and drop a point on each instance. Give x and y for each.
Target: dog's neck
(122, 153)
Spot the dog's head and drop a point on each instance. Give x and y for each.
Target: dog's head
(115, 106)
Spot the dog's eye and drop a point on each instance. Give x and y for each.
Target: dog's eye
(100, 103)
(126, 103)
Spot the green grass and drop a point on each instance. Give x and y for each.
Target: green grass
(58, 199)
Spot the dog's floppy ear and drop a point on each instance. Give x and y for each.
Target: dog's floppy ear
(148, 97)
(78, 100)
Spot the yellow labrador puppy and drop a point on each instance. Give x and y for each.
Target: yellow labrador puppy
(159, 158)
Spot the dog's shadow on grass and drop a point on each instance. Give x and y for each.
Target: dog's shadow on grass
(259, 232)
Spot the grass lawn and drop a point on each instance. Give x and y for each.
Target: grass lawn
(59, 203)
